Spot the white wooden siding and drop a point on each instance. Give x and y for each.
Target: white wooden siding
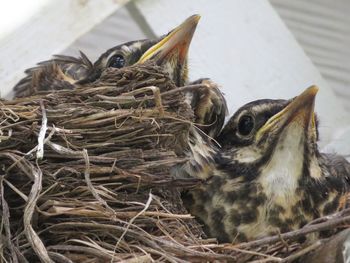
(246, 47)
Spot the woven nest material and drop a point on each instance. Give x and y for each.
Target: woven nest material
(85, 178)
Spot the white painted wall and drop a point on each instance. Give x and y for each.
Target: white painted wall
(244, 46)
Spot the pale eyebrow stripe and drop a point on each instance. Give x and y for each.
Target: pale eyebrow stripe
(134, 46)
(125, 48)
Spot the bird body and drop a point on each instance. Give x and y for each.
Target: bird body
(269, 176)
(234, 205)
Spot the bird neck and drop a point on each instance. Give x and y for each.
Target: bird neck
(279, 176)
(177, 71)
(279, 165)
(201, 153)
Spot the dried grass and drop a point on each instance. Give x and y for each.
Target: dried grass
(85, 178)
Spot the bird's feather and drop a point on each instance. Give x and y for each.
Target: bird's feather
(72, 67)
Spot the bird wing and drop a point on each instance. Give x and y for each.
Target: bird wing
(209, 106)
(72, 67)
(53, 77)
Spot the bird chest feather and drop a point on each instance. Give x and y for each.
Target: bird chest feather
(280, 175)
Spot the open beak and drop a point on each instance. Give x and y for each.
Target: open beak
(299, 111)
(175, 44)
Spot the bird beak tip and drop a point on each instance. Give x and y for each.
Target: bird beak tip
(178, 40)
(314, 88)
(310, 92)
(300, 110)
(195, 18)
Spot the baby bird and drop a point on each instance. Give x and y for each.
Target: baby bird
(63, 72)
(269, 176)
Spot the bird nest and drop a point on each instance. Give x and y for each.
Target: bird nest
(85, 177)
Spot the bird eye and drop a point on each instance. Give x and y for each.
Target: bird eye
(117, 61)
(245, 125)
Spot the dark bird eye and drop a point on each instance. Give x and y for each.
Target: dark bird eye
(245, 125)
(117, 61)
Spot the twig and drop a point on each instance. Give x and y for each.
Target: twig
(329, 217)
(43, 129)
(184, 88)
(16, 190)
(157, 96)
(150, 197)
(254, 253)
(143, 236)
(90, 185)
(31, 235)
(88, 250)
(302, 252)
(298, 233)
(5, 216)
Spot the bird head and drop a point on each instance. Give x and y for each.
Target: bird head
(171, 50)
(119, 56)
(269, 131)
(168, 51)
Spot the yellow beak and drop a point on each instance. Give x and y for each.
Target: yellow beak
(176, 42)
(300, 110)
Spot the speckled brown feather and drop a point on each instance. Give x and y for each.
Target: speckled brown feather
(209, 106)
(70, 67)
(48, 78)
